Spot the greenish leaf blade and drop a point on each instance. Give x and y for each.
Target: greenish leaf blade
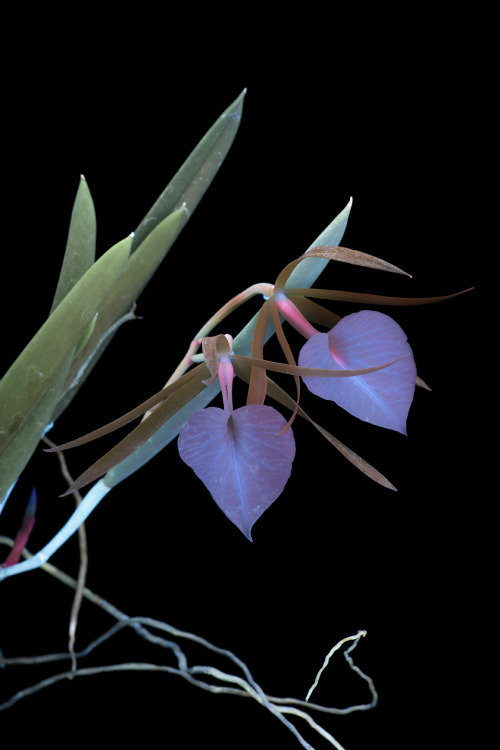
(191, 181)
(308, 271)
(25, 382)
(86, 334)
(18, 452)
(80, 247)
(175, 204)
(304, 275)
(138, 270)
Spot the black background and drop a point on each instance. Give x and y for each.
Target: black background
(335, 553)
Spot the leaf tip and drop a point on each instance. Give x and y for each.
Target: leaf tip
(24, 532)
(69, 491)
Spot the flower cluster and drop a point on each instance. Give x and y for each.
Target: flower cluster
(244, 456)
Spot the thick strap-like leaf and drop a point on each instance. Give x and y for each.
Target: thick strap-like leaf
(160, 227)
(18, 452)
(80, 246)
(192, 180)
(26, 381)
(306, 273)
(139, 268)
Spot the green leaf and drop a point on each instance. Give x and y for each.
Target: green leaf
(192, 180)
(175, 204)
(86, 334)
(80, 246)
(306, 273)
(25, 383)
(138, 269)
(16, 455)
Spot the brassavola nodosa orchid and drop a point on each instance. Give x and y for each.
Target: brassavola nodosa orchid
(244, 455)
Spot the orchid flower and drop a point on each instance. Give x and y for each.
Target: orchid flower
(244, 456)
(241, 455)
(382, 398)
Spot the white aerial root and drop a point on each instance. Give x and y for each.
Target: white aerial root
(354, 638)
(218, 681)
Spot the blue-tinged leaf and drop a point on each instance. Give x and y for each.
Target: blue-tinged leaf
(25, 383)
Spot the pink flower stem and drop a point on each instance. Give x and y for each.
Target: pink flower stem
(225, 310)
(256, 289)
(226, 374)
(23, 534)
(292, 315)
